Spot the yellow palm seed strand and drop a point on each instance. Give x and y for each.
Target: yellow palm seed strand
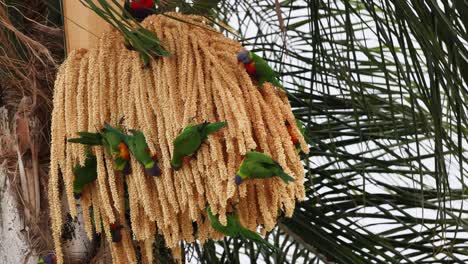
(253, 95)
(252, 204)
(187, 228)
(67, 174)
(85, 206)
(112, 62)
(56, 158)
(148, 249)
(133, 201)
(102, 181)
(95, 200)
(112, 179)
(286, 110)
(128, 249)
(116, 253)
(138, 169)
(234, 95)
(274, 98)
(263, 205)
(167, 111)
(91, 80)
(142, 109)
(143, 189)
(272, 123)
(82, 105)
(202, 227)
(104, 62)
(71, 79)
(164, 144)
(145, 226)
(106, 226)
(71, 82)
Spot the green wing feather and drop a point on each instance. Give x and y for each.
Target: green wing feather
(85, 174)
(246, 233)
(190, 140)
(139, 148)
(235, 229)
(87, 138)
(264, 72)
(185, 144)
(214, 221)
(278, 171)
(210, 128)
(260, 165)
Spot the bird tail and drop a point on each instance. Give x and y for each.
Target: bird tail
(176, 162)
(213, 127)
(283, 175)
(258, 239)
(87, 138)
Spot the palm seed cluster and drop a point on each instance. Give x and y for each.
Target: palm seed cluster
(201, 81)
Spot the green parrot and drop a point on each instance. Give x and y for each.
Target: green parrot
(257, 165)
(85, 174)
(258, 68)
(190, 140)
(235, 229)
(113, 139)
(139, 148)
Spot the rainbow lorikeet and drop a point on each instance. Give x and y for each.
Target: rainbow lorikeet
(233, 228)
(139, 149)
(116, 233)
(50, 258)
(190, 140)
(139, 9)
(294, 139)
(257, 165)
(85, 174)
(258, 68)
(113, 139)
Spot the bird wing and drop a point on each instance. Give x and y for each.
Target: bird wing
(139, 147)
(251, 235)
(212, 127)
(187, 142)
(85, 174)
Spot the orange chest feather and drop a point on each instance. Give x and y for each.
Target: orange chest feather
(250, 68)
(124, 151)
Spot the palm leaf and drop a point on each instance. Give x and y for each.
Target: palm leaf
(381, 87)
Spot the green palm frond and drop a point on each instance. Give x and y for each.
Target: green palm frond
(382, 88)
(136, 36)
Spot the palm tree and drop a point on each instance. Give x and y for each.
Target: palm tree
(382, 88)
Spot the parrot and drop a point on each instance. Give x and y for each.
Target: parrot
(84, 174)
(139, 148)
(257, 165)
(235, 229)
(113, 140)
(258, 68)
(50, 258)
(294, 139)
(190, 140)
(139, 9)
(146, 42)
(116, 234)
